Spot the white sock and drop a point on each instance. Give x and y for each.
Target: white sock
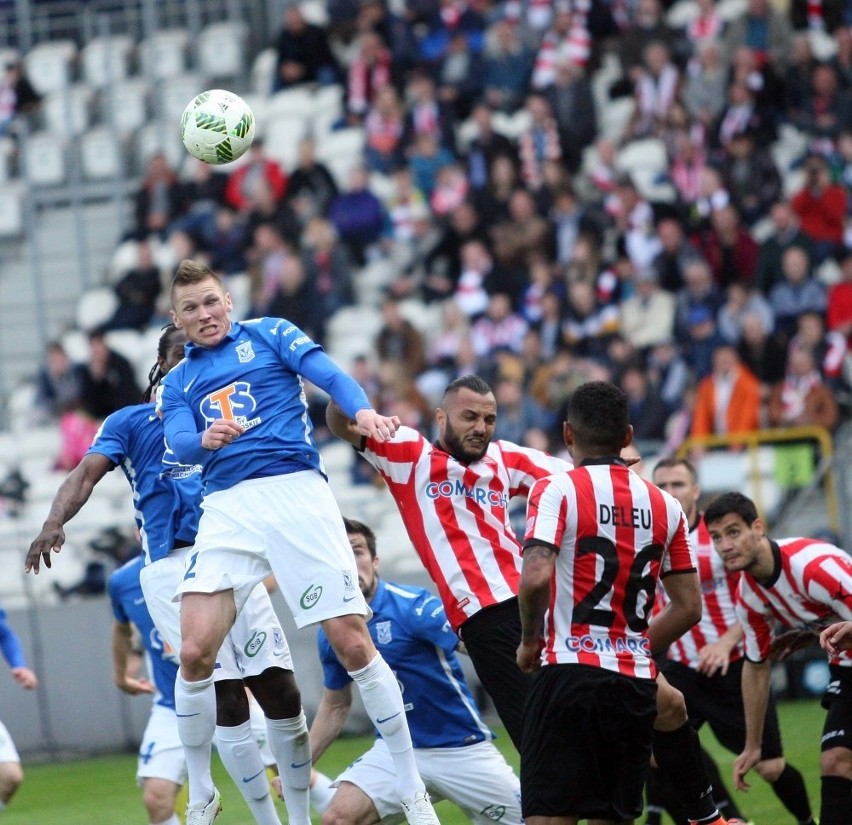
(241, 757)
(383, 702)
(321, 792)
(291, 747)
(172, 820)
(195, 706)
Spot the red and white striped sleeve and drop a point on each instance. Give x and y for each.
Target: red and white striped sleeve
(547, 510)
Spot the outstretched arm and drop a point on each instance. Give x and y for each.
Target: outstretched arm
(533, 598)
(681, 613)
(122, 647)
(341, 425)
(331, 715)
(70, 497)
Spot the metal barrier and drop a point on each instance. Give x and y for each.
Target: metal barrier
(752, 442)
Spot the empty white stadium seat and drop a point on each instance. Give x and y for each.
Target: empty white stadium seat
(175, 95)
(263, 72)
(95, 307)
(106, 60)
(124, 107)
(48, 65)
(100, 154)
(155, 137)
(282, 135)
(297, 104)
(220, 49)
(66, 112)
(44, 159)
(164, 54)
(341, 151)
(11, 210)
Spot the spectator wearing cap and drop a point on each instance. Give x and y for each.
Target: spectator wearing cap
(821, 207)
(728, 400)
(796, 293)
(786, 232)
(802, 399)
(750, 175)
(647, 316)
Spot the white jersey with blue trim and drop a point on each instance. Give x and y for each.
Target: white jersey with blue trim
(250, 377)
(166, 494)
(128, 605)
(410, 629)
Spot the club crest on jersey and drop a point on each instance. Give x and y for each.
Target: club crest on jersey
(383, 633)
(348, 581)
(244, 352)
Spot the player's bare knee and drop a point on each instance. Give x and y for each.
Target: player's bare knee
(232, 707)
(771, 769)
(197, 659)
(11, 777)
(158, 797)
(351, 641)
(277, 693)
(836, 762)
(671, 708)
(336, 815)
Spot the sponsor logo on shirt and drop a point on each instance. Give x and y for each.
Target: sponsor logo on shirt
(596, 644)
(495, 812)
(311, 596)
(255, 643)
(234, 402)
(453, 489)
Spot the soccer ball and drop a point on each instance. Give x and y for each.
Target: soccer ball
(217, 126)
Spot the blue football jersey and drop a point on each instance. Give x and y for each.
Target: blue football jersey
(251, 377)
(411, 631)
(128, 605)
(166, 494)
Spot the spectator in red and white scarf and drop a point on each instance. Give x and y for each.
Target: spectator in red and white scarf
(802, 399)
(383, 128)
(370, 71)
(566, 39)
(656, 91)
(426, 115)
(540, 143)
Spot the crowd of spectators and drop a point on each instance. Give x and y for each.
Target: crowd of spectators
(722, 304)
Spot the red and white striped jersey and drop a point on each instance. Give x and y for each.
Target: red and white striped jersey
(810, 589)
(457, 515)
(718, 600)
(616, 534)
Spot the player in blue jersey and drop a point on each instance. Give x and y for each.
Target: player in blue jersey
(11, 774)
(453, 746)
(167, 497)
(236, 405)
(161, 768)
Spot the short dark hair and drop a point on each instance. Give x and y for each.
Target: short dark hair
(675, 461)
(192, 272)
(727, 503)
(598, 415)
(469, 382)
(358, 528)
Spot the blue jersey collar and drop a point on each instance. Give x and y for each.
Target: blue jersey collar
(231, 335)
(378, 599)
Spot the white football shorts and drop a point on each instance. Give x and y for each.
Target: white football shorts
(256, 641)
(8, 751)
(288, 525)
(161, 752)
(477, 778)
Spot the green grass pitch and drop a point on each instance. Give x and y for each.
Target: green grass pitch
(102, 791)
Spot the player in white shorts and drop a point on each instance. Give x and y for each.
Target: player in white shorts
(452, 745)
(166, 497)
(11, 774)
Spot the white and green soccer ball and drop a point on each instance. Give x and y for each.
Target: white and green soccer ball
(217, 126)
